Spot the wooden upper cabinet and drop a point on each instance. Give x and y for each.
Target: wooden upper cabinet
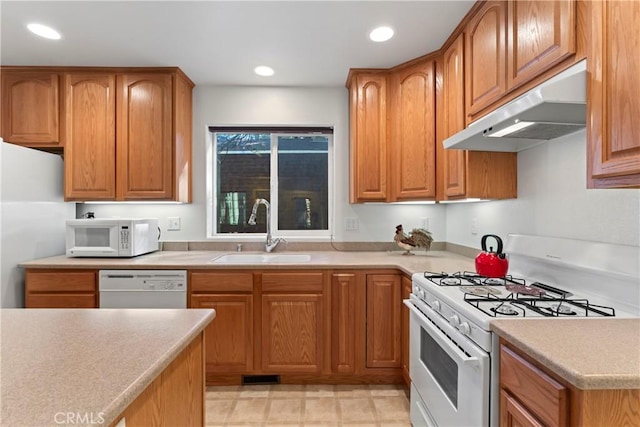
(411, 147)
(144, 128)
(30, 108)
(469, 174)
(453, 118)
(368, 137)
(127, 136)
(485, 56)
(89, 136)
(540, 34)
(613, 106)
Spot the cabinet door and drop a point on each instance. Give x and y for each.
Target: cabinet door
(512, 414)
(145, 141)
(485, 57)
(540, 34)
(343, 322)
(229, 338)
(383, 321)
(30, 108)
(406, 291)
(453, 81)
(368, 138)
(292, 338)
(613, 107)
(89, 135)
(60, 289)
(413, 132)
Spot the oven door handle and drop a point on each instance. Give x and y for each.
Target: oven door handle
(462, 357)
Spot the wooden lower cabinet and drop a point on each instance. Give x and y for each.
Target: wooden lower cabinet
(406, 291)
(304, 326)
(60, 289)
(230, 337)
(343, 322)
(530, 395)
(292, 322)
(384, 349)
(175, 397)
(292, 333)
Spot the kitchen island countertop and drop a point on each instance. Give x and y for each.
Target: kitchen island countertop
(590, 353)
(91, 364)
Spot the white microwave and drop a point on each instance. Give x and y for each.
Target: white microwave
(118, 237)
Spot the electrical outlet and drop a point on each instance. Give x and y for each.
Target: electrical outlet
(351, 224)
(474, 226)
(424, 223)
(174, 223)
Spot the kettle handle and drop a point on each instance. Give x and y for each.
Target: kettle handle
(483, 242)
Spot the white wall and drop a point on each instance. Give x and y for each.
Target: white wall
(215, 105)
(552, 195)
(552, 201)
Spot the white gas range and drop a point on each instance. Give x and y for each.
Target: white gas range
(453, 353)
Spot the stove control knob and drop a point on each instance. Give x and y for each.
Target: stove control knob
(464, 328)
(436, 305)
(420, 293)
(455, 320)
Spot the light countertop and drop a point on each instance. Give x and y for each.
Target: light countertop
(436, 261)
(93, 362)
(589, 353)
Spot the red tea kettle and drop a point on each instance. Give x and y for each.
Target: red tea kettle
(492, 264)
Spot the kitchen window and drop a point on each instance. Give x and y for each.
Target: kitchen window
(288, 167)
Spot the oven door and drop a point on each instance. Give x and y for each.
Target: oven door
(450, 373)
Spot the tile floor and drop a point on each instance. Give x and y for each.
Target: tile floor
(307, 405)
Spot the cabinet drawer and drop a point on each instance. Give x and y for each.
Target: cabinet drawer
(540, 393)
(292, 282)
(221, 282)
(61, 301)
(56, 281)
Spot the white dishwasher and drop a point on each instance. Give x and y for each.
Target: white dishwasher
(143, 288)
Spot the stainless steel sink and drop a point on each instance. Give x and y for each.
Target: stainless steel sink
(261, 259)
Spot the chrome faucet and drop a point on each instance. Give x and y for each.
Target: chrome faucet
(271, 243)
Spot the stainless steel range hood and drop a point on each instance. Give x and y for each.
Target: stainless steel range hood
(555, 108)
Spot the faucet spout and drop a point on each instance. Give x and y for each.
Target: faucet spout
(271, 243)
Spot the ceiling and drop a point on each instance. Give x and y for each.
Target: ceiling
(308, 43)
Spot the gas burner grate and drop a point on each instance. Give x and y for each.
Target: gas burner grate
(467, 278)
(544, 305)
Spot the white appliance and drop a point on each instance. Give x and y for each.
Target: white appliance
(142, 288)
(121, 237)
(454, 355)
(553, 109)
(32, 215)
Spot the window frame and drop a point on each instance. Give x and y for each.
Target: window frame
(211, 167)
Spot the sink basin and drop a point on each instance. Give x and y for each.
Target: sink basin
(261, 258)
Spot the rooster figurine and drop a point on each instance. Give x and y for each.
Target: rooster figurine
(419, 238)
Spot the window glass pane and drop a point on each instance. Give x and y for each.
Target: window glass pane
(303, 182)
(243, 174)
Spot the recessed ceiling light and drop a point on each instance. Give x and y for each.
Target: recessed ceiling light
(263, 70)
(381, 34)
(44, 31)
